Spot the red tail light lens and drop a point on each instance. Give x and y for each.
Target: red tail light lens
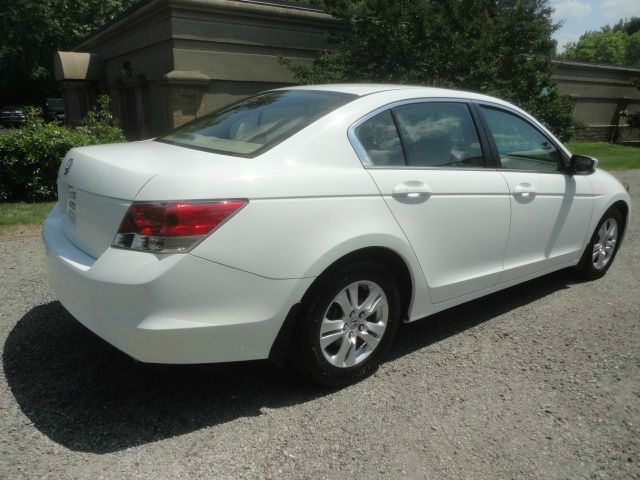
(172, 227)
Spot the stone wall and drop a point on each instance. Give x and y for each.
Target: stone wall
(171, 61)
(600, 94)
(609, 133)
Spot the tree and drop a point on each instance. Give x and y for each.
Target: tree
(632, 55)
(499, 47)
(598, 47)
(629, 26)
(32, 30)
(617, 45)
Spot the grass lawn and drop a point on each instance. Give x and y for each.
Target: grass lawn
(610, 157)
(14, 215)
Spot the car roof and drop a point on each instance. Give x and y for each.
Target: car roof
(413, 91)
(359, 89)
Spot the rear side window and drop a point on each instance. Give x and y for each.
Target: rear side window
(520, 145)
(439, 134)
(379, 137)
(258, 123)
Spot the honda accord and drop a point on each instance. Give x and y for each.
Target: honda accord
(305, 224)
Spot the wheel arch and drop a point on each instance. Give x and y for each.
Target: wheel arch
(385, 256)
(388, 257)
(623, 208)
(620, 204)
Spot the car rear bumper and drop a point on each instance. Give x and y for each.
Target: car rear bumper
(168, 308)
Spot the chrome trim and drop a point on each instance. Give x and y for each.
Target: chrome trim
(67, 166)
(532, 171)
(411, 167)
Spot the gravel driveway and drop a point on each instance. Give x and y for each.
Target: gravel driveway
(538, 381)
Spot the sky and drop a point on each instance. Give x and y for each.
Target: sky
(582, 15)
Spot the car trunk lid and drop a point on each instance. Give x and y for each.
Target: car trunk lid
(97, 184)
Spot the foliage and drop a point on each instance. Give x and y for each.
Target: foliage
(30, 156)
(598, 47)
(501, 48)
(629, 26)
(32, 31)
(100, 123)
(618, 45)
(632, 54)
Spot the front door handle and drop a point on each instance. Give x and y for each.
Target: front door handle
(412, 189)
(524, 190)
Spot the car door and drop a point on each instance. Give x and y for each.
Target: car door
(428, 160)
(550, 210)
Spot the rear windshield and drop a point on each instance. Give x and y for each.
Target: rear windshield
(255, 125)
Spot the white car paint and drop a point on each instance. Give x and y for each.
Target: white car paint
(549, 228)
(470, 209)
(310, 203)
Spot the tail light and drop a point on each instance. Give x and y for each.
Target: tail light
(172, 227)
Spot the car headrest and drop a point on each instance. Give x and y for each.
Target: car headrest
(431, 150)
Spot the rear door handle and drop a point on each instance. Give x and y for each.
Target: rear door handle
(412, 189)
(524, 190)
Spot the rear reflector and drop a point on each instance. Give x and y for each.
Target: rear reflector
(172, 227)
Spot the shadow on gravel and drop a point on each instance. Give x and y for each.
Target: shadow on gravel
(87, 396)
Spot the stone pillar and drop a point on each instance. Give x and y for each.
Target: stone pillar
(183, 92)
(116, 93)
(142, 107)
(618, 120)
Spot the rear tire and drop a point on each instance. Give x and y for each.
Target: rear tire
(603, 246)
(346, 324)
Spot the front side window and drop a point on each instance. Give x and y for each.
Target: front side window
(520, 145)
(439, 134)
(258, 123)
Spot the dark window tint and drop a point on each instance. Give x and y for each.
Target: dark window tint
(259, 123)
(439, 134)
(521, 146)
(379, 137)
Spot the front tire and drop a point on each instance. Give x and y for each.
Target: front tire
(346, 324)
(603, 246)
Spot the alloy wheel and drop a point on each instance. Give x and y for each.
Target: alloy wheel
(354, 324)
(605, 244)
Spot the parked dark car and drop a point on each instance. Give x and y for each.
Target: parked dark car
(11, 116)
(55, 109)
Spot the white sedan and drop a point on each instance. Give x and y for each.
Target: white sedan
(306, 223)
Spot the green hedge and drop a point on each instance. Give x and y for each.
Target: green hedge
(30, 156)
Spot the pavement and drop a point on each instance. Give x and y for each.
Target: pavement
(538, 381)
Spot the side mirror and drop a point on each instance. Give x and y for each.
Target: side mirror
(582, 165)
